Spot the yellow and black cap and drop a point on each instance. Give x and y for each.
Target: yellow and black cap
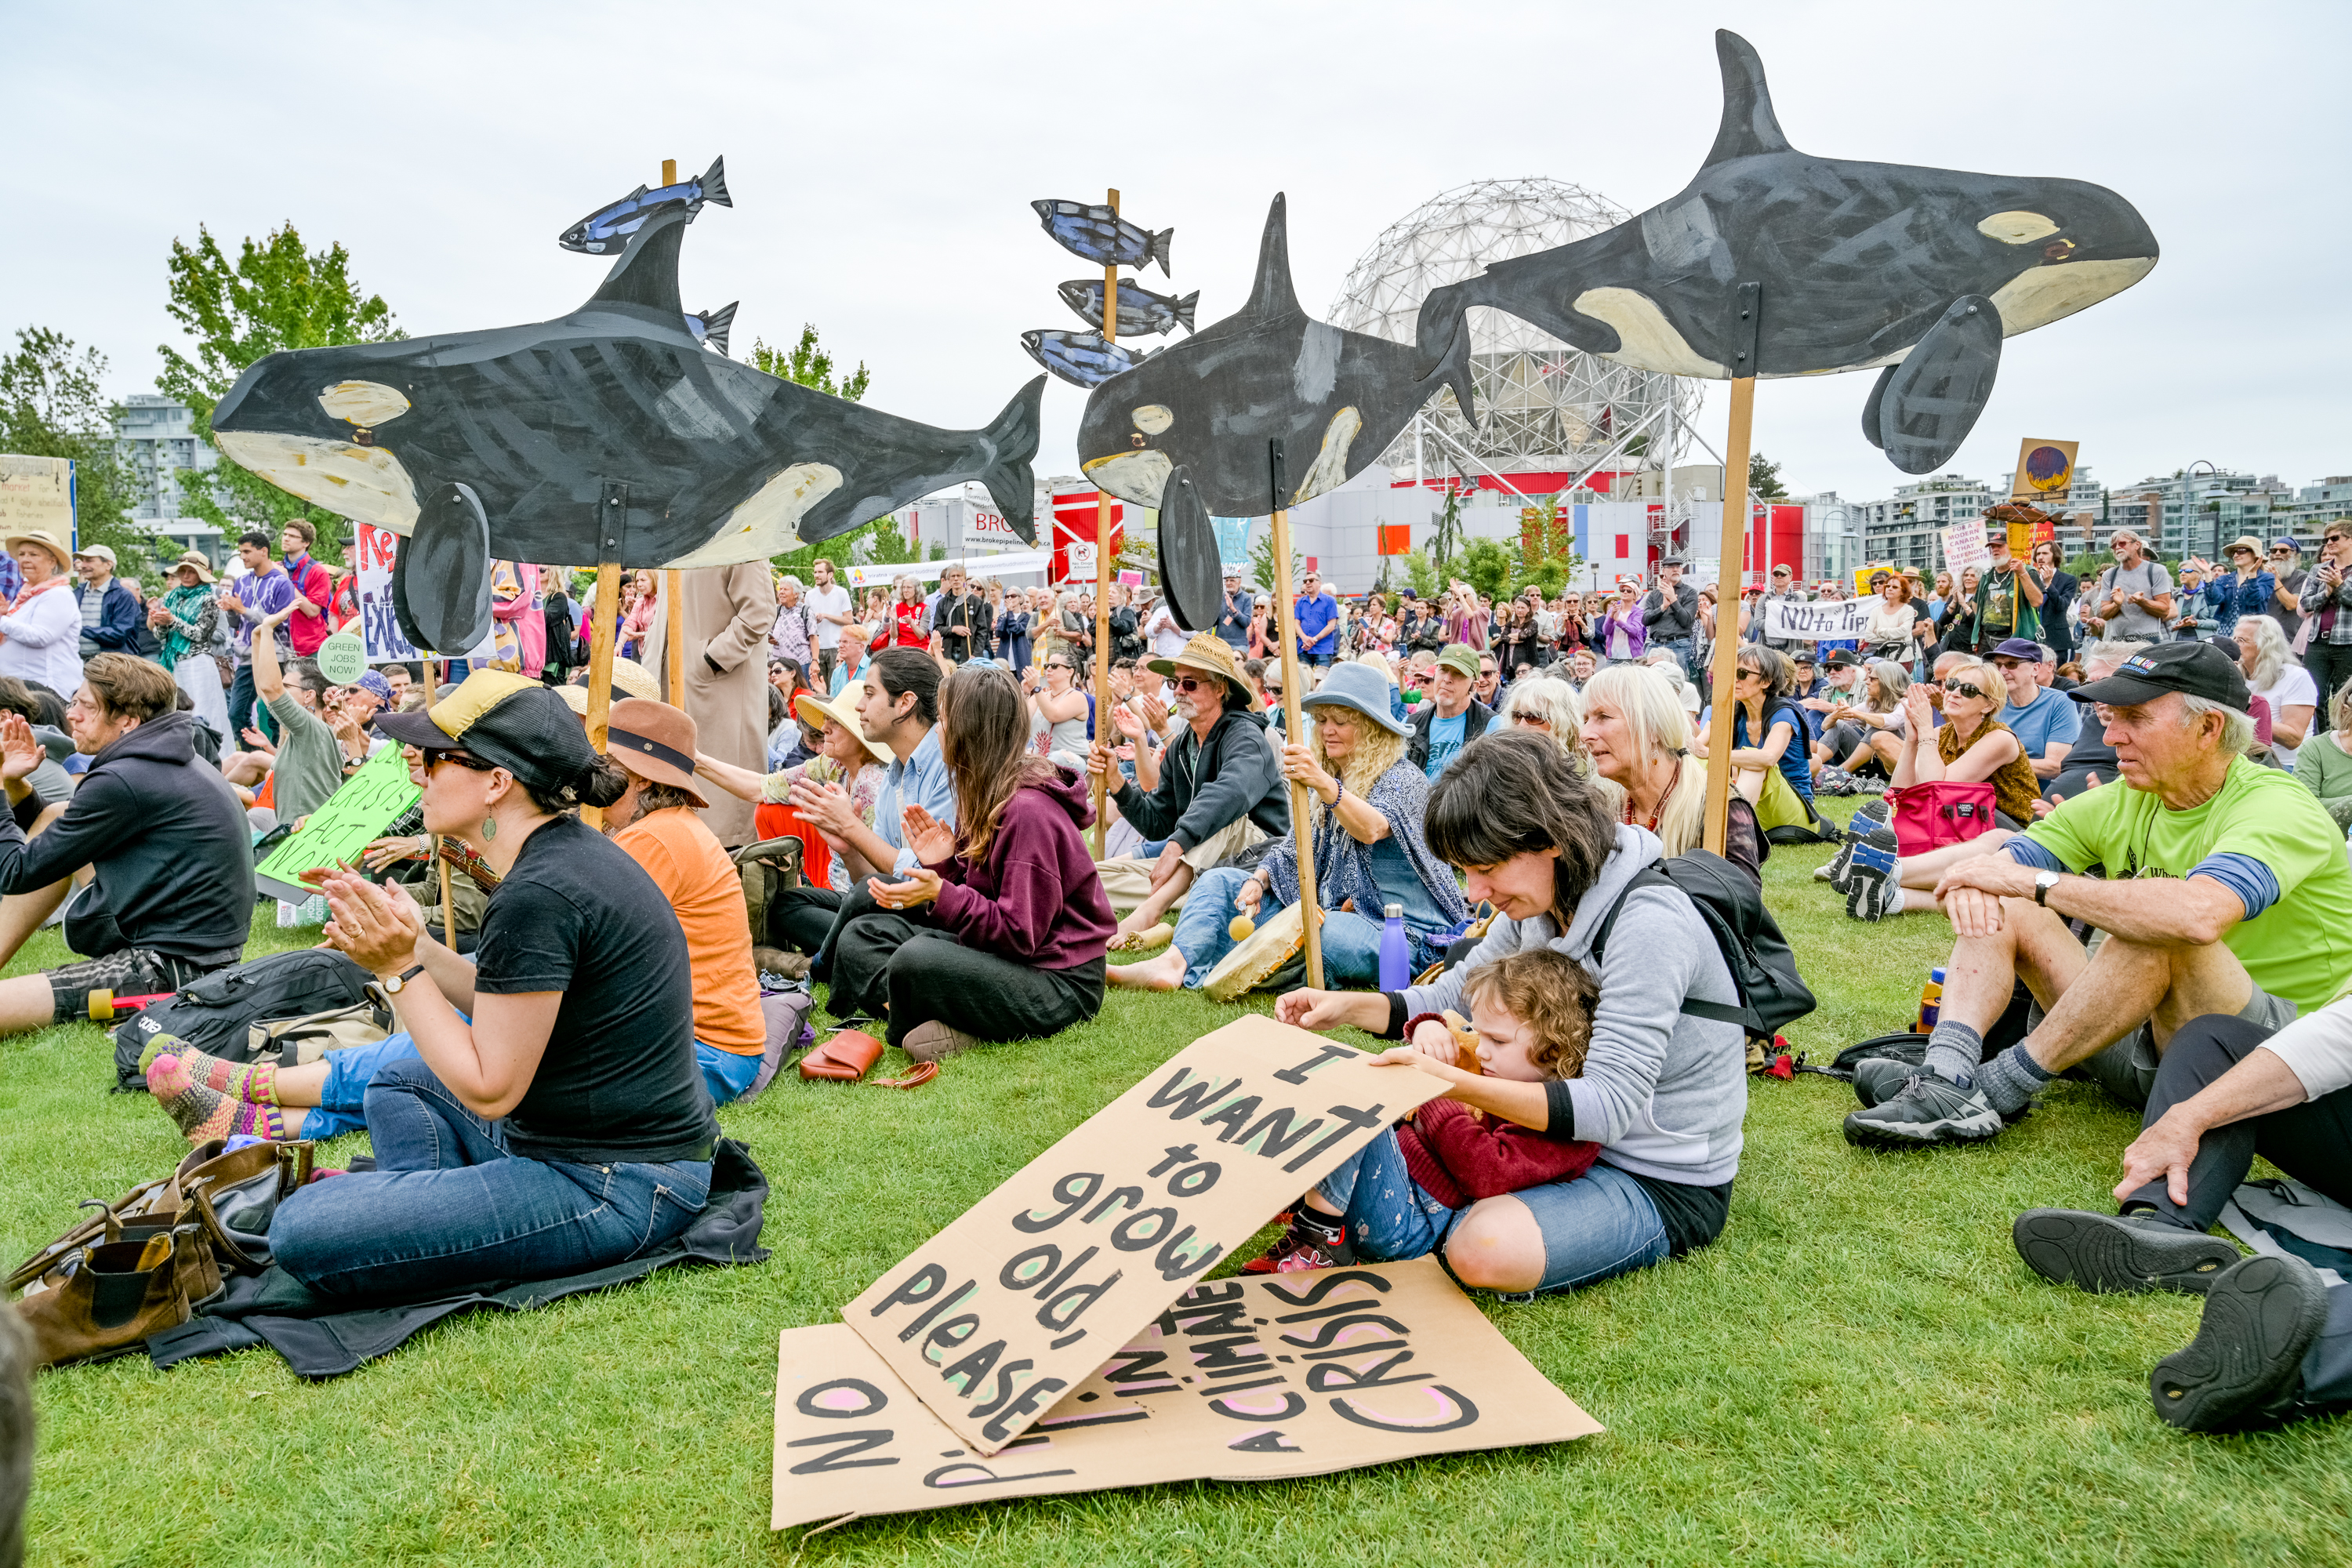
(508, 721)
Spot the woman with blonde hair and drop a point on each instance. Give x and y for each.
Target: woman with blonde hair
(1368, 800)
(1633, 734)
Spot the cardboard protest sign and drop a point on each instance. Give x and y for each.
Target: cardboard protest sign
(1015, 1302)
(379, 557)
(1239, 1380)
(1965, 547)
(370, 801)
(2043, 469)
(1816, 622)
(38, 493)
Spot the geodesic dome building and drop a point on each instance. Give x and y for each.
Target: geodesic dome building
(1548, 406)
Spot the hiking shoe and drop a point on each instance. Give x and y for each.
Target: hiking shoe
(2105, 1252)
(935, 1041)
(1862, 839)
(1928, 1109)
(2245, 1365)
(1296, 1253)
(1877, 1080)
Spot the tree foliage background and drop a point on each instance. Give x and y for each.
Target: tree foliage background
(277, 294)
(878, 543)
(51, 406)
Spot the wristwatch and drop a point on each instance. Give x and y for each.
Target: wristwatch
(2043, 882)
(396, 983)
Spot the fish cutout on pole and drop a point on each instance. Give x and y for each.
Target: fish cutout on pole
(610, 435)
(1269, 371)
(1917, 272)
(710, 327)
(608, 229)
(1082, 358)
(1141, 313)
(1098, 233)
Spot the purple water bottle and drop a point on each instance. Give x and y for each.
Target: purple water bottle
(1396, 957)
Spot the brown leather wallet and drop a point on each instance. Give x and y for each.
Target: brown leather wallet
(845, 1059)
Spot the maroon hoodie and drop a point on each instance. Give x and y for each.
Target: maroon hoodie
(1037, 898)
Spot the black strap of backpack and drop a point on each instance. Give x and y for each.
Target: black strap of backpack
(1654, 876)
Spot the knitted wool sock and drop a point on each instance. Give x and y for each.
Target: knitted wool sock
(2011, 1080)
(202, 1113)
(1953, 1052)
(254, 1082)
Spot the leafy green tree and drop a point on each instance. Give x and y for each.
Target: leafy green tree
(1418, 574)
(276, 295)
(1262, 564)
(807, 363)
(1485, 565)
(1764, 478)
(50, 407)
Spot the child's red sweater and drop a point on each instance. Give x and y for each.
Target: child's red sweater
(1458, 1158)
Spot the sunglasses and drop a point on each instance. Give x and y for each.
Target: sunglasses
(1748, 673)
(2276, 553)
(463, 759)
(1056, 664)
(1189, 683)
(1532, 721)
(1962, 689)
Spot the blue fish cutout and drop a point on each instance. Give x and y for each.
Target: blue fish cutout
(710, 327)
(1101, 235)
(1082, 358)
(606, 230)
(1917, 273)
(1141, 313)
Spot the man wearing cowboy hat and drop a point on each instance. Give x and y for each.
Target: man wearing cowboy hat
(1214, 789)
(655, 823)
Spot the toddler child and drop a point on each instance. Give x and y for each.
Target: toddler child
(1399, 1195)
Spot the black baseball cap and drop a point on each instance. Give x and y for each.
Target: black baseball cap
(2191, 668)
(1841, 659)
(510, 721)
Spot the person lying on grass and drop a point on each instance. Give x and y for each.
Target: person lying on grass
(1399, 1195)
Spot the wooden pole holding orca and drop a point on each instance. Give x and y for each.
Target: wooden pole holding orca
(1731, 575)
(675, 643)
(1302, 824)
(1102, 564)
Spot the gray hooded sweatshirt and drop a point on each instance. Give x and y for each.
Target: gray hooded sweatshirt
(1662, 1092)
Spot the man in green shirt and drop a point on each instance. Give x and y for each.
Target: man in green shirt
(309, 764)
(2225, 891)
(2009, 597)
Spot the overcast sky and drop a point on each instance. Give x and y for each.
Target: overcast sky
(882, 157)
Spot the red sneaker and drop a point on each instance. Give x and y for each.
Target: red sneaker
(1295, 1252)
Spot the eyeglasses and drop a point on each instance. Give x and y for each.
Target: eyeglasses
(1962, 689)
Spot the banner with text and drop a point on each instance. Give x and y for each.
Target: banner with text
(1239, 1380)
(1015, 1302)
(370, 801)
(38, 493)
(1820, 621)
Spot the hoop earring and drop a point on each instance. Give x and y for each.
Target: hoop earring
(490, 827)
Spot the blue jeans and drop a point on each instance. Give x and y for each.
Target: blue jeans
(342, 1098)
(1594, 1227)
(1351, 944)
(1391, 1216)
(1681, 648)
(447, 1208)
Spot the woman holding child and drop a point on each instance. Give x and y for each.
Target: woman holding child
(1662, 1086)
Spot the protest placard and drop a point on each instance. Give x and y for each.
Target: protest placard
(37, 493)
(370, 801)
(378, 549)
(1238, 1380)
(1832, 619)
(1012, 1303)
(1965, 547)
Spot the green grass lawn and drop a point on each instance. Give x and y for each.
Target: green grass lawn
(1860, 1370)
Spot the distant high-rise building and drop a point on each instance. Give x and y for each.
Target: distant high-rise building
(157, 436)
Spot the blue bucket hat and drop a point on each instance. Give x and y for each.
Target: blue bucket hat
(1359, 687)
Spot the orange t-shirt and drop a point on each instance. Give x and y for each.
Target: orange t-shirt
(685, 861)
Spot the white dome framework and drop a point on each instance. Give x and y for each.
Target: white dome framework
(1548, 406)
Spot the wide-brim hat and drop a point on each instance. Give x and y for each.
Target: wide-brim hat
(46, 541)
(1209, 653)
(195, 560)
(508, 721)
(2192, 669)
(816, 713)
(1352, 685)
(656, 742)
(630, 678)
(2247, 542)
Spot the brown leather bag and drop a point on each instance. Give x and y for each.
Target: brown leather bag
(845, 1059)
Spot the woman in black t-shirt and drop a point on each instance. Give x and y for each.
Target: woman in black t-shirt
(565, 1126)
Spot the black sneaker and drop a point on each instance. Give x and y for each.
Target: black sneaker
(2246, 1363)
(1928, 1110)
(2105, 1252)
(1875, 844)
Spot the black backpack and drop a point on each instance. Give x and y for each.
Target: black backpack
(212, 1014)
(1772, 994)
